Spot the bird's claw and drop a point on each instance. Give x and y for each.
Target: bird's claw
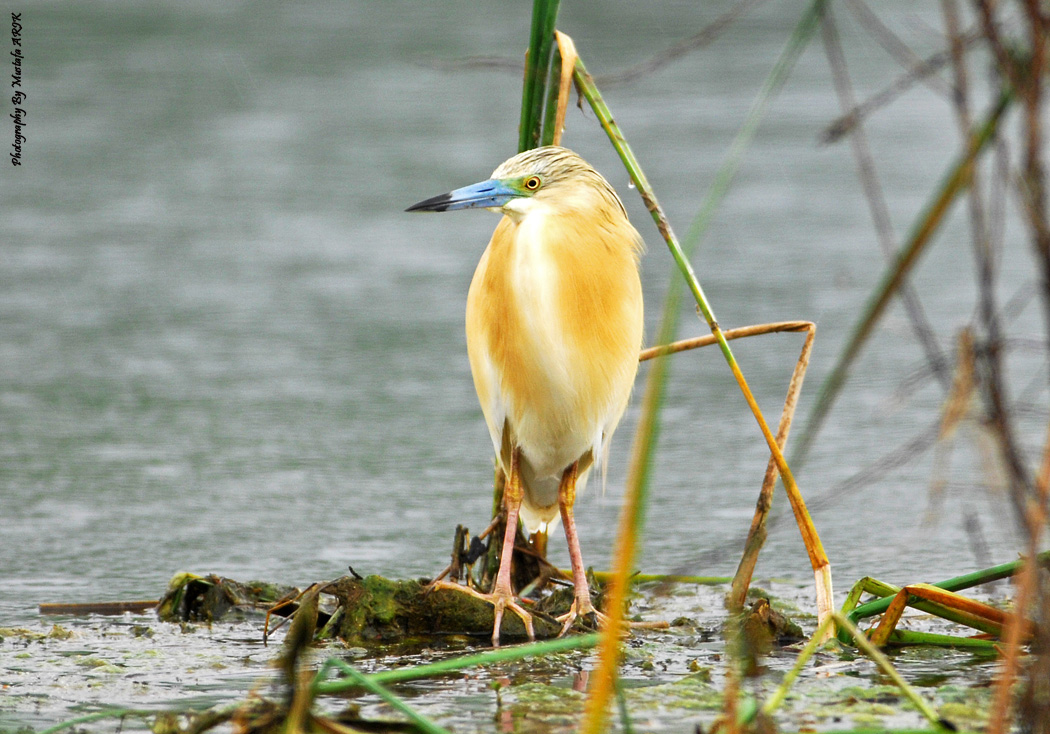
(602, 620)
(578, 610)
(503, 601)
(500, 599)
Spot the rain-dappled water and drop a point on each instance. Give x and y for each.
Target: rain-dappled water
(225, 348)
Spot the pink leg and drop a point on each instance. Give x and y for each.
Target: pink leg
(581, 605)
(503, 591)
(502, 596)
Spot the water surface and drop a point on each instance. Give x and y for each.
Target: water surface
(225, 348)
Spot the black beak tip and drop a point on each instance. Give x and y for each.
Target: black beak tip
(437, 203)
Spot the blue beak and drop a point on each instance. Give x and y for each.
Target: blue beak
(491, 193)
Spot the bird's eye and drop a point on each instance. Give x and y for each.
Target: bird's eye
(532, 183)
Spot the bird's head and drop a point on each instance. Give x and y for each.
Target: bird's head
(551, 176)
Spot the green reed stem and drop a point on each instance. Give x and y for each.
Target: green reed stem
(632, 514)
(372, 686)
(116, 713)
(603, 577)
(886, 667)
(792, 675)
(912, 637)
(489, 657)
(537, 62)
(625, 717)
(958, 583)
(871, 651)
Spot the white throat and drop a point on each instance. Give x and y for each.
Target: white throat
(519, 207)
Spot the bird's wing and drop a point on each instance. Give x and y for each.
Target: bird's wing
(482, 366)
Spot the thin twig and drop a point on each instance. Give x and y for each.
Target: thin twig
(894, 46)
(880, 213)
(956, 179)
(756, 535)
(1030, 501)
(730, 334)
(931, 65)
(1028, 587)
(702, 38)
(678, 50)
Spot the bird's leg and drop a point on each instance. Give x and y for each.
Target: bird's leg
(581, 605)
(502, 595)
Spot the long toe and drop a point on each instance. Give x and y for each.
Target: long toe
(500, 601)
(578, 611)
(498, 621)
(526, 619)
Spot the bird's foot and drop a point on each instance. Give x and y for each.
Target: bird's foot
(500, 599)
(581, 609)
(585, 610)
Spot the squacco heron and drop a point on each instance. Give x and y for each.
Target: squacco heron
(554, 327)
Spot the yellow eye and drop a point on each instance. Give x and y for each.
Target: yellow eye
(532, 183)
